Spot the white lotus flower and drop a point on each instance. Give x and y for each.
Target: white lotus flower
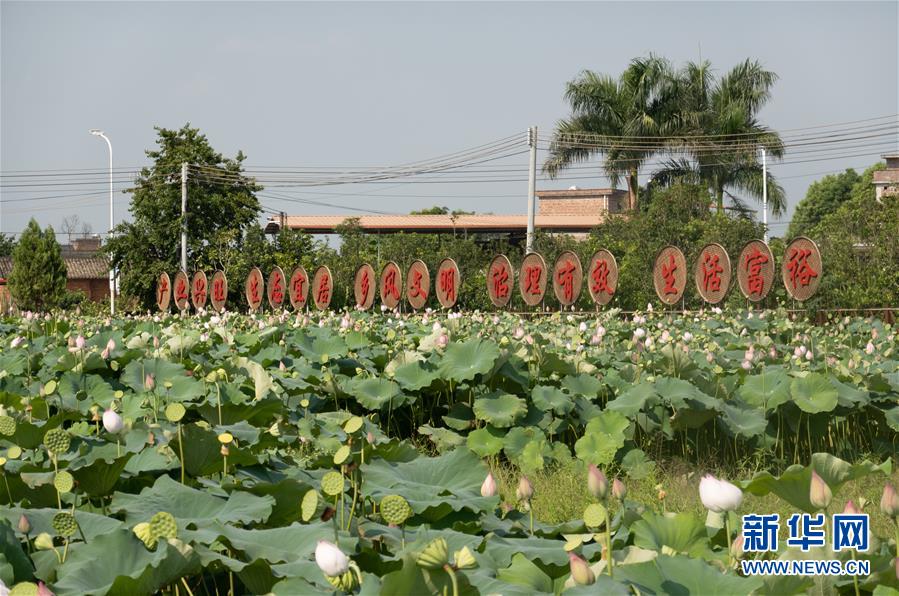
(719, 495)
(331, 559)
(869, 349)
(16, 342)
(639, 332)
(688, 337)
(112, 422)
(582, 327)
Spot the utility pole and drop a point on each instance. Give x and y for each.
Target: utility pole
(184, 217)
(532, 181)
(99, 133)
(765, 193)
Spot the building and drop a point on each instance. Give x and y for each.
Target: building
(886, 182)
(572, 211)
(87, 269)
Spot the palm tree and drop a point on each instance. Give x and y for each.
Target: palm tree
(722, 134)
(620, 119)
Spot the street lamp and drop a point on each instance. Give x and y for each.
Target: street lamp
(99, 133)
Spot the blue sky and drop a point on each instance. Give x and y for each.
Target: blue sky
(338, 84)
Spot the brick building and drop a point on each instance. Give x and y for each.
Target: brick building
(886, 182)
(87, 269)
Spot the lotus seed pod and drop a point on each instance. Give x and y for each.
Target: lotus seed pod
(594, 515)
(580, 571)
(619, 490)
(43, 541)
(14, 452)
(464, 559)
(309, 505)
(345, 582)
(22, 589)
(225, 438)
(24, 525)
(889, 502)
(333, 484)
(353, 424)
(64, 523)
(163, 525)
(175, 412)
(57, 440)
(435, 554)
(167, 384)
(597, 483)
(395, 510)
(7, 425)
(142, 531)
(64, 482)
(819, 494)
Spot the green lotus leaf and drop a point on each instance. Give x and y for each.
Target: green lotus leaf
(486, 441)
(793, 485)
(463, 361)
(637, 464)
(598, 448)
(18, 566)
(376, 393)
(319, 344)
(766, 390)
(742, 420)
(414, 376)
(813, 393)
(434, 486)
(443, 438)
(545, 551)
(892, 418)
(135, 373)
(262, 381)
(89, 569)
(500, 409)
(525, 573)
(101, 473)
(682, 532)
(202, 451)
(41, 520)
(683, 575)
(848, 396)
(608, 422)
(191, 506)
(548, 398)
(634, 399)
(582, 385)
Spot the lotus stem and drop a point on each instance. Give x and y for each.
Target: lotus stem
(181, 451)
(531, 511)
(730, 550)
(218, 401)
(452, 576)
(186, 587)
(609, 542)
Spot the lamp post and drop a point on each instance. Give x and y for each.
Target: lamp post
(99, 133)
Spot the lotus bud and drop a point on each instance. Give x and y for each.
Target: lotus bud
(819, 494)
(331, 559)
(112, 422)
(370, 437)
(149, 383)
(43, 541)
(889, 502)
(24, 524)
(17, 341)
(719, 495)
(869, 349)
(619, 490)
(736, 547)
(443, 340)
(79, 342)
(525, 491)
(580, 571)
(597, 483)
(688, 337)
(850, 508)
(488, 488)
(43, 590)
(639, 332)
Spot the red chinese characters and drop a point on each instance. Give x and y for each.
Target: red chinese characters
(219, 290)
(276, 288)
(532, 281)
(568, 277)
(603, 276)
(298, 288)
(801, 270)
(390, 283)
(565, 279)
(755, 270)
(363, 287)
(712, 273)
(198, 290)
(418, 284)
(322, 283)
(448, 281)
(254, 289)
(448, 284)
(669, 274)
(753, 264)
(499, 276)
(182, 290)
(499, 280)
(163, 291)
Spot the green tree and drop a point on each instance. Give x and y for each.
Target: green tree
(437, 210)
(221, 205)
(38, 277)
(604, 109)
(7, 244)
(722, 116)
(822, 198)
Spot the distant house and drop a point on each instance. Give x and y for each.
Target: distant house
(87, 269)
(886, 182)
(573, 211)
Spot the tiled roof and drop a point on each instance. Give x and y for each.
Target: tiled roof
(324, 224)
(93, 267)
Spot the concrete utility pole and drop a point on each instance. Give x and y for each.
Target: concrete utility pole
(99, 133)
(765, 193)
(184, 217)
(532, 181)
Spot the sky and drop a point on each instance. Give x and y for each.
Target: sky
(378, 84)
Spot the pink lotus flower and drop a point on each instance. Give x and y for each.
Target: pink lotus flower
(149, 383)
(443, 340)
(488, 488)
(819, 494)
(851, 509)
(110, 346)
(869, 349)
(17, 341)
(79, 342)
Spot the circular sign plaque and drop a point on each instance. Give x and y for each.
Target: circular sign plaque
(298, 288)
(755, 270)
(499, 280)
(568, 277)
(418, 284)
(199, 290)
(276, 288)
(802, 268)
(448, 282)
(163, 291)
(219, 291)
(364, 286)
(254, 289)
(322, 287)
(712, 273)
(532, 279)
(602, 277)
(181, 289)
(390, 284)
(669, 274)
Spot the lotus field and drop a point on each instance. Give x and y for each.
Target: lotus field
(382, 453)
